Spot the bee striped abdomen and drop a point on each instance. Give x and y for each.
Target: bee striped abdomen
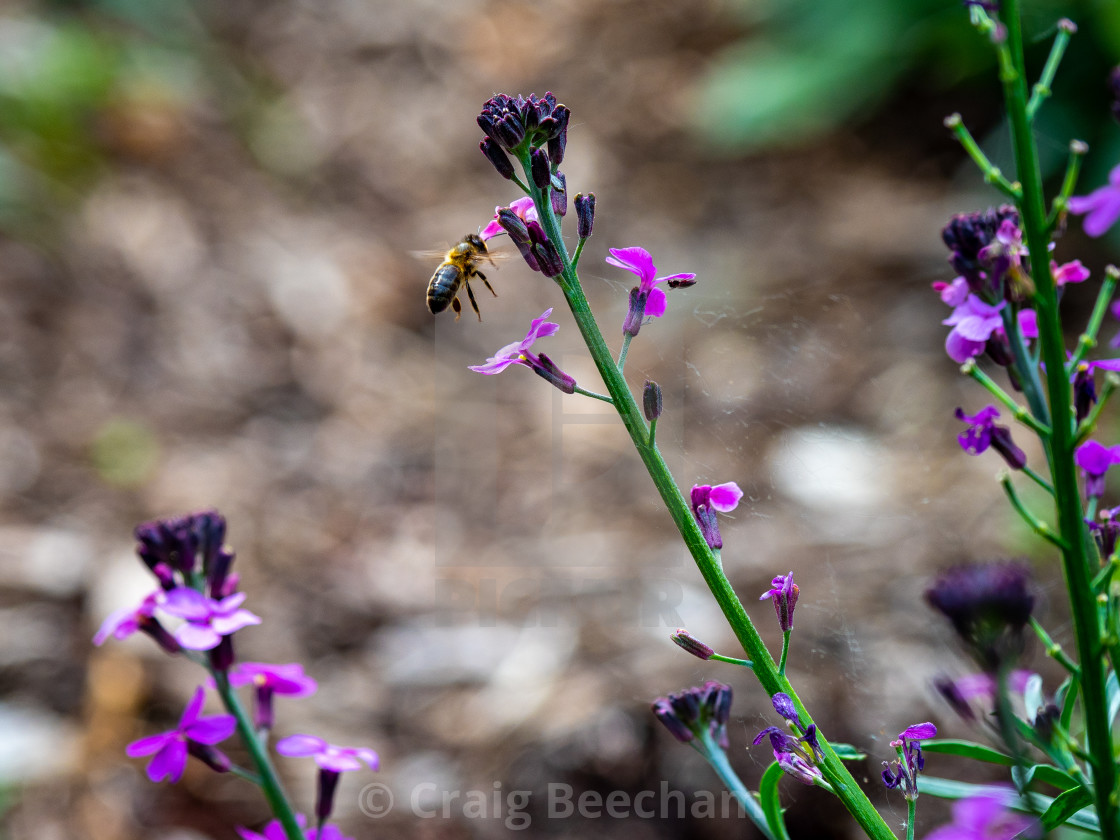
(443, 287)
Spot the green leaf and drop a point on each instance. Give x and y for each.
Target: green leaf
(968, 749)
(1084, 819)
(1049, 775)
(847, 752)
(1065, 806)
(771, 803)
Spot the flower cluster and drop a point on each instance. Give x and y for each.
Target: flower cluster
(983, 432)
(700, 712)
(191, 565)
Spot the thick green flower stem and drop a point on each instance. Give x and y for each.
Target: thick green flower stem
(911, 807)
(785, 653)
(1075, 555)
(717, 758)
(269, 781)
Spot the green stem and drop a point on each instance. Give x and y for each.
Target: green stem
(1053, 649)
(970, 368)
(269, 780)
(846, 788)
(1042, 87)
(785, 653)
(1077, 151)
(911, 808)
(1036, 524)
(990, 171)
(626, 339)
(1088, 339)
(1037, 479)
(593, 395)
(1075, 559)
(579, 251)
(717, 758)
(716, 657)
(652, 431)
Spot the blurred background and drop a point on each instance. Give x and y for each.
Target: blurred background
(209, 297)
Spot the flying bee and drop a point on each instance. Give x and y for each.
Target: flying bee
(456, 270)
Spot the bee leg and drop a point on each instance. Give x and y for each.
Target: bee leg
(482, 277)
(474, 303)
(458, 307)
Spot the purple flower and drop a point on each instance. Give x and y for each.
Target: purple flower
(983, 432)
(1101, 207)
(978, 690)
(984, 817)
(523, 208)
(269, 680)
(275, 831)
(519, 353)
(126, 621)
(784, 592)
(1070, 272)
(797, 756)
(332, 762)
(701, 711)
(327, 756)
(707, 499)
(910, 761)
(513, 120)
(645, 298)
(970, 238)
(954, 293)
(206, 621)
(974, 322)
(171, 747)
(1094, 459)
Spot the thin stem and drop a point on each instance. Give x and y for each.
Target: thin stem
(1075, 560)
(1036, 524)
(717, 758)
(626, 339)
(989, 170)
(579, 251)
(1041, 88)
(1088, 339)
(911, 808)
(1077, 151)
(970, 368)
(1053, 649)
(652, 431)
(716, 657)
(1037, 479)
(269, 781)
(593, 395)
(785, 653)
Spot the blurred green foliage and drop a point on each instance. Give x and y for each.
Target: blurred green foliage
(807, 67)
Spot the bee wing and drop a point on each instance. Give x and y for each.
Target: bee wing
(430, 254)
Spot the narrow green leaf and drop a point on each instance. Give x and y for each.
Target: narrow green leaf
(770, 801)
(847, 752)
(1085, 819)
(1065, 806)
(1049, 775)
(968, 749)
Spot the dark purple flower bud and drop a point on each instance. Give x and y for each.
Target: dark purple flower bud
(784, 593)
(324, 802)
(585, 214)
(558, 140)
(212, 757)
(539, 168)
(1084, 391)
(652, 402)
(716, 708)
(998, 348)
(551, 263)
(220, 583)
(953, 695)
(783, 705)
(988, 604)
(559, 194)
(663, 709)
(496, 156)
(221, 655)
(514, 225)
(686, 641)
(1106, 531)
(547, 369)
(968, 234)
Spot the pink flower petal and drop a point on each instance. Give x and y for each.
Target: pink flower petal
(725, 497)
(300, 745)
(655, 304)
(169, 762)
(635, 260)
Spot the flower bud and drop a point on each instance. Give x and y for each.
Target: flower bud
(559, 194)
(496, 156)
(211, 756)
(547, 370)
(651, 400)
(635, 312)
(585, 214)
(558, 139)
(552, 265)
(686, 641)
(539, 169)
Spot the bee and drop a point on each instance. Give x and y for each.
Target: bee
(456, 270)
